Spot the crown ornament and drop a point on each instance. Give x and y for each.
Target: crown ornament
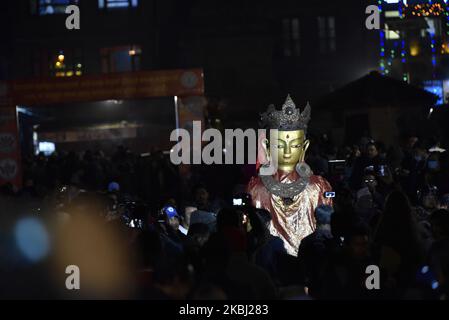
(288, 119)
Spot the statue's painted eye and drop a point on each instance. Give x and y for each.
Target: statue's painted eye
(296, 146)
(280, 146)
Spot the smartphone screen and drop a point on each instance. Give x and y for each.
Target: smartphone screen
(329, 194)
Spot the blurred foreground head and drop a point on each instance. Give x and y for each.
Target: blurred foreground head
(101, 253)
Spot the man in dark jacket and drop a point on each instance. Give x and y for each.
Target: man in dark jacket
(316, 247)
(369, 161)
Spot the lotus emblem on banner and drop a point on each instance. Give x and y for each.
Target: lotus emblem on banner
(189, 79)
(8, 169)
(7, 142)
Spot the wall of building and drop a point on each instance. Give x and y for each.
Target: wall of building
(239, 44)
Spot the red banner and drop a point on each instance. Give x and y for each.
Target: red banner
(86, 88)
(10, 169)
(128, 85)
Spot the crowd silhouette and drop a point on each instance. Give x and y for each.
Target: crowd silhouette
(188, 241)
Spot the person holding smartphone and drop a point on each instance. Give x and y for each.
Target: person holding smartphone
(369, 161)
(369, 201)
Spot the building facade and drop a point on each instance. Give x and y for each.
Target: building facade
(414, 43)
(253, 52)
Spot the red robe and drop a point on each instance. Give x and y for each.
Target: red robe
(295, 221)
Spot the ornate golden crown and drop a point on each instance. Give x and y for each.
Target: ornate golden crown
(289, 118)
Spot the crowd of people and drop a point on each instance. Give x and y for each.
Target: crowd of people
(192, 242)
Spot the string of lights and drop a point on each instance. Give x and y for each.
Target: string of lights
(403, 50)
(403, 60)
(447, 17)
(426, 9)
(381, 43)
(433, 50)
(391, 57)
(440, 9)
(386, 62)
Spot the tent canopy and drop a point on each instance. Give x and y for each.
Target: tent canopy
(376, 90)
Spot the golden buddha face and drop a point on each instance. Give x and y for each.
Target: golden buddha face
(291, 147)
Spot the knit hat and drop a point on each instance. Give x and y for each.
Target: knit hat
(170, 212)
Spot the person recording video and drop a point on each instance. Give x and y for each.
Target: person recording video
(369, 201)
(370, 160)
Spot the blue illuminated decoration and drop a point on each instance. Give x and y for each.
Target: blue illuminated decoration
(435, 87)
(403, 60)
(403, 51)
(397, 1)
(394, 51)
(382, 44)
(447, 17)
(433, 49)
(50, 7)
(117, 4)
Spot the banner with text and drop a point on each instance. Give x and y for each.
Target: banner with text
(129, 85)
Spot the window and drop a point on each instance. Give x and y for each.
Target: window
(434, 27)
(291, 37)
(392, 35)
(392, 14)
(326, 34)
(120, 59)
(48, 7)
(117, 4)
(58, 63)
(66, 63)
